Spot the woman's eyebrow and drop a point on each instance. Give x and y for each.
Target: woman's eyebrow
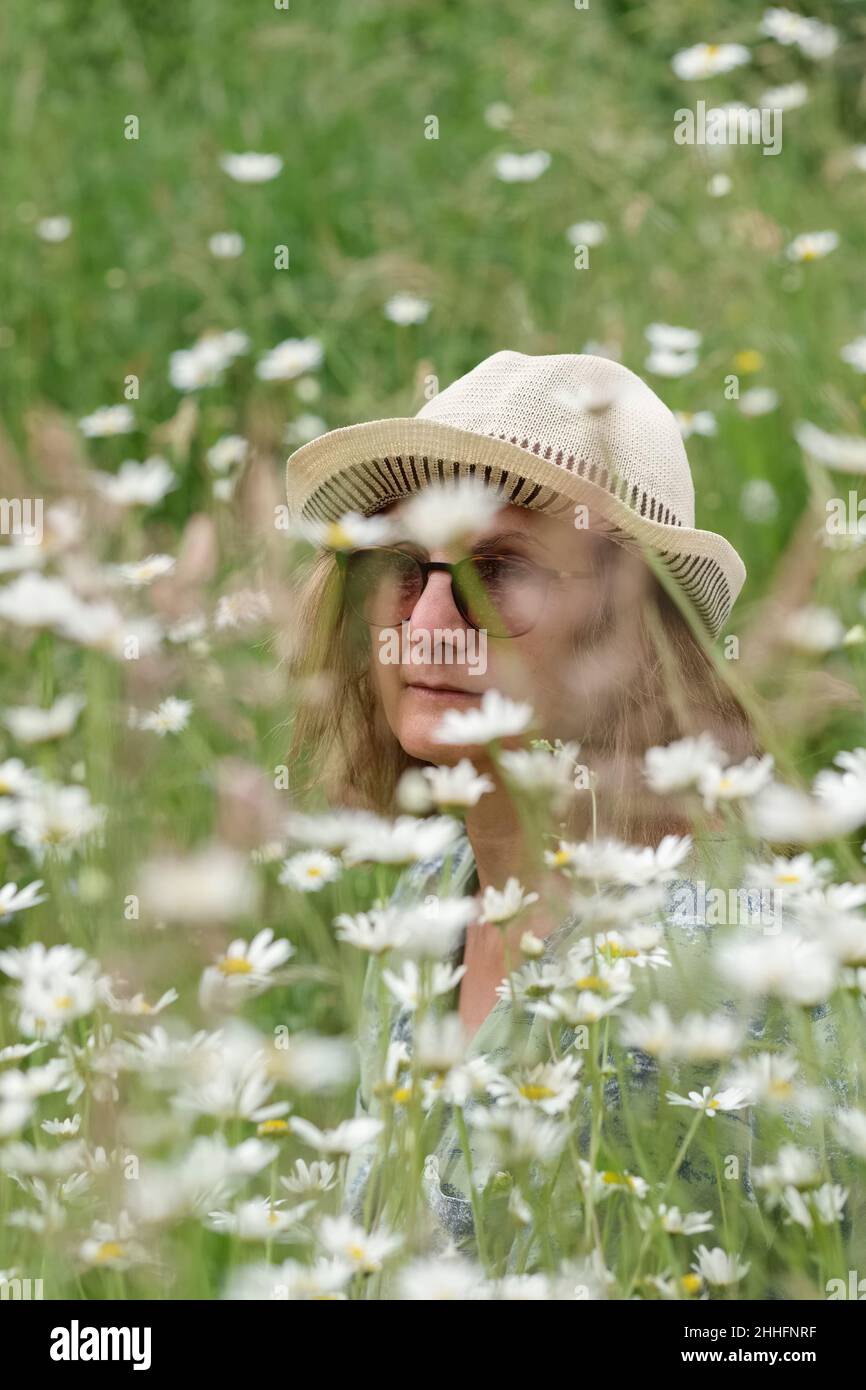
(497, 539)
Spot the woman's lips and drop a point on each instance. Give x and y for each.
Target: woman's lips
(442, 692)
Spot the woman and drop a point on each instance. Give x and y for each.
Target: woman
(577, 561)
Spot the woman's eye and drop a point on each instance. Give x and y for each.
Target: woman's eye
(500, 569)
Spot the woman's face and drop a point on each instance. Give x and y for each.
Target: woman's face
(582, 639)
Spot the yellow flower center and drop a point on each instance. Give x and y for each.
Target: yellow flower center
(337, 538)
(590, 982)
(691, 1283)
(789, 878)
(401, 1095)
(235, 965)
(110, 1250)
(63, 1001)
(560, 858)
(272, 1127)
(534, 1091)
(749, 360)
(355, 1252)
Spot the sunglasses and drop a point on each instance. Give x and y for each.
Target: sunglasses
(503, 594)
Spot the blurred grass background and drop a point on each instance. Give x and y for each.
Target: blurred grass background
(369, 207)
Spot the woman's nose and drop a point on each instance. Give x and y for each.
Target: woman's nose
(435, 606)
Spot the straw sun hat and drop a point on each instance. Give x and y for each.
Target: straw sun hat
(546, 433)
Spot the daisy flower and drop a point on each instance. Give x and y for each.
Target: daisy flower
(245, 608)
(251, 167)
(734, 783)
(136, 484)
(447, 513)
(405, 840)
(610, 861)
(812, 246)
(229, 451)
(351, 531)
(793, 1168)
(758, 400)
(786, 98)
(497, 717)
(846, 452)
(289, 359)
(549, 1087)
(811, 36)
(310, 871)
(260, 1219)
(718, 1268)
(376, 932)
(344, 1139)
(799, 874)
(668, 338)
(587, 233)
(522, 168)
(769, 1078)
(226, 246)
(855, 353)
(710, 1102)
(410, 988)
(314, 1177)
(62, 1129)
(14, 899)
(449, 1279)
(824, 1206)
(701, 422)
(548, 772)
(107, 421)
(364, 1251)
(708, 59)
(787, 966)
(406, 309)
(245, 969)
(53, 229)
(678, 765)
(170, 717)
(140, 573)
(57, 820)
(30, 725)
(850, 1126)
(458, 786)
(663, 362)
(209, 884)
(304, 428)
(499, 906)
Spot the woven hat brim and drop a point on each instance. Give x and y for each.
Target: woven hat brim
(364, 467)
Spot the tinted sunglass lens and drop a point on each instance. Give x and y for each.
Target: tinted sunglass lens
(501, 594)
(382, 586)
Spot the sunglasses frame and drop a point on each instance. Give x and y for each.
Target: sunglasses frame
(428, 567)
